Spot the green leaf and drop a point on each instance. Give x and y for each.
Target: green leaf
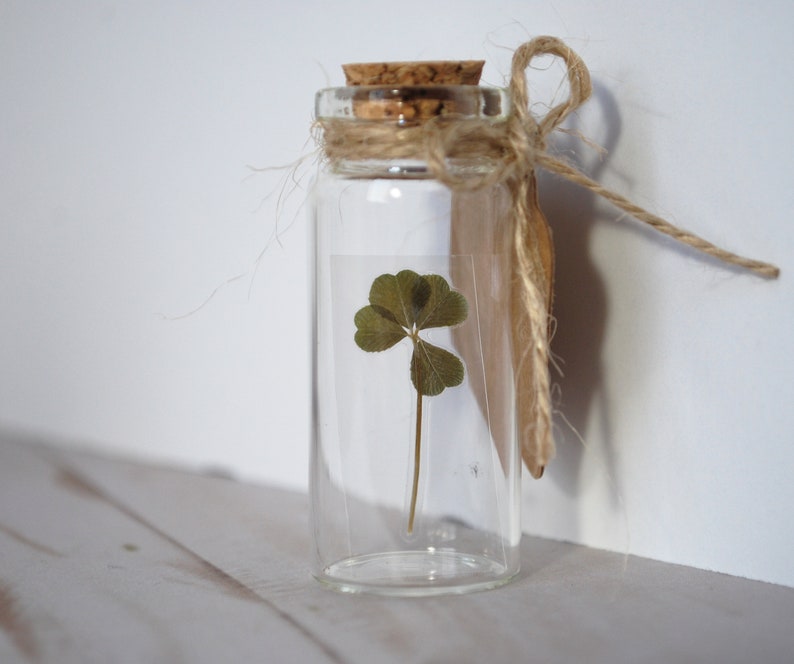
(375, 332)
(444, 307)
(433, 369)
(402, 295)
(400, 305)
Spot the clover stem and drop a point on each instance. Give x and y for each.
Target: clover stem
(417, 451)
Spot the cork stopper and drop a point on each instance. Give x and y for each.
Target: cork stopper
(419, 100)
(441, 72)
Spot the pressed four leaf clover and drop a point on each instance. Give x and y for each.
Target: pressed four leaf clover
(400, 305)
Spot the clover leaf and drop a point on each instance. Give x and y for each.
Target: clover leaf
(400, 305)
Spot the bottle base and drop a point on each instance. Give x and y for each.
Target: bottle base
(415, 573)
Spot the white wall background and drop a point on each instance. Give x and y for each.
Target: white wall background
(125, 201)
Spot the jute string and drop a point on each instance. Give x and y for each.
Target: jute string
(512, 149)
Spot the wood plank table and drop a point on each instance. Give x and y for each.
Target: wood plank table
(105, 560)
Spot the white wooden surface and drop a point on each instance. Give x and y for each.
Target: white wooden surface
(110, 561)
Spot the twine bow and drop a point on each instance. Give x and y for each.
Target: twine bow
(514, 148)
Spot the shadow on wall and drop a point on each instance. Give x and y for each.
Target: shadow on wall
(580, 307)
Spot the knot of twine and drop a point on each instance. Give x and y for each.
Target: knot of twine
(511, 150)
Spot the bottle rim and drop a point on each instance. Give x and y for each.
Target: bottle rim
(411, 104)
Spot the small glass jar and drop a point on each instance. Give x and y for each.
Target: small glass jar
(415, 467)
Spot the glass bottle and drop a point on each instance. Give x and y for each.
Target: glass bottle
(415, 466)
